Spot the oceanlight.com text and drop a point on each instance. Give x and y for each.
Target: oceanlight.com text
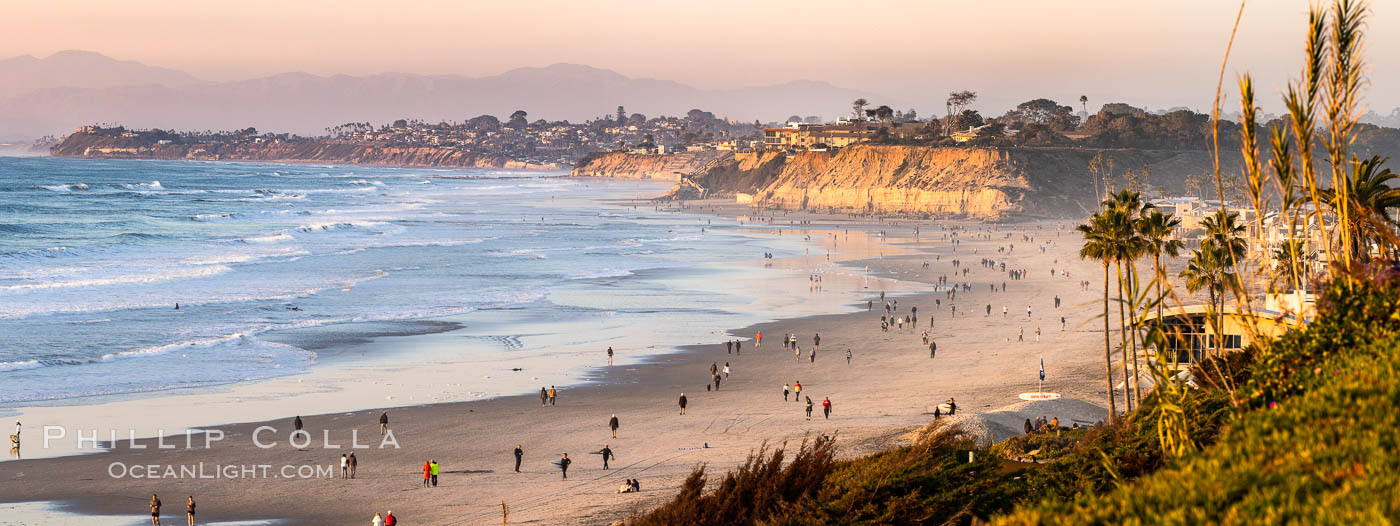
(121, 470)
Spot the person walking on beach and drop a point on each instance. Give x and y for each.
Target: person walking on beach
(1020, 334)
(427, 473)
(344, 466)
(564, 465)
(738, 347)
(758, 339)
(785, 392)
(296, 424)
(383, 422)
(726, 370)
(728, 346)
(434, 470)
(932, 348)
(1037, 334)
(390, 519)
(816, 341)
(612, 424)
(155, 510)
(1003, 311)
(607, 454)
(189, 511)
(519, 453)
(717, 378)
(796, 390)
(826, 407)
(682, 402)
(552, 395)
(610, 354)
(1028, 311)
(848, 356)
(812, 356)
(809, 408)
(354, 463)
(544, 397)
(377, 520)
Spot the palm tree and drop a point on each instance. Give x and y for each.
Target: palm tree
(1291, 261)
(1213, 265)
(1204, 271)
(1371, 200)
(1156, 231)
(1128, 246)
(1098, 246)
(1084, 103)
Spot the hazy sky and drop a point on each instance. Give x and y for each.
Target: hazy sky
(1158, 53)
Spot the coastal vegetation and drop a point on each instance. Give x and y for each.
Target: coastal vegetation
(1297, 428)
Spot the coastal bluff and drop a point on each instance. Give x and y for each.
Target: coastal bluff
(957, 182)
(669, 167)
(94, 146)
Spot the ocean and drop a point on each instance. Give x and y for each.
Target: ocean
(276, 268)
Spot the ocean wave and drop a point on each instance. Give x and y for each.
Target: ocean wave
(15, 366)
(153, 185)
(605, 273)
(38, 253)
(279, 237)
(204, 218)
(65, 188)
(185, 273)
(337, 225)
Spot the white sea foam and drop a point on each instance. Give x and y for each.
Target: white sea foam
(168, 275)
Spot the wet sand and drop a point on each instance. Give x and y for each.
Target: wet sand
(889, 388)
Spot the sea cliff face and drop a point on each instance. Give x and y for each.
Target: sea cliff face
(975, 183)
(670, 167)
(305, 151)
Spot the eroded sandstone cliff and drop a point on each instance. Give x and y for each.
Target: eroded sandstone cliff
(670, 167)
(978, 183)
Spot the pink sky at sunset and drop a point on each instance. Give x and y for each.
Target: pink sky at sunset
(1157, 53)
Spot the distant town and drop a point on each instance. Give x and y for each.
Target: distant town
(1034, 123)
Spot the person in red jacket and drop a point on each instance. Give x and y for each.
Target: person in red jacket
(826, 408)
(390, 519)
(427, 472)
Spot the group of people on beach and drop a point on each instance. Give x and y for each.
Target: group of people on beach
(155, 505)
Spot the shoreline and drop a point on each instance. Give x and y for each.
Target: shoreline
(530, 167)
(651, 385)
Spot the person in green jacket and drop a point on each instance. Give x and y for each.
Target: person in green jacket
(433, 471)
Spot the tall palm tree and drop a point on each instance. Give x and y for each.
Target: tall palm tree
(1128, 246)
(1084, 103)
(1371, 198)
(1098, 246)
(1223, 246)
(1156, 231)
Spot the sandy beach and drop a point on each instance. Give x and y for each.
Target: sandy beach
(889, 387)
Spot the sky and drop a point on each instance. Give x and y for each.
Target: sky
(1153, 53)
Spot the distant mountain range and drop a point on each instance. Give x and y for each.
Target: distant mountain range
(56, 94)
